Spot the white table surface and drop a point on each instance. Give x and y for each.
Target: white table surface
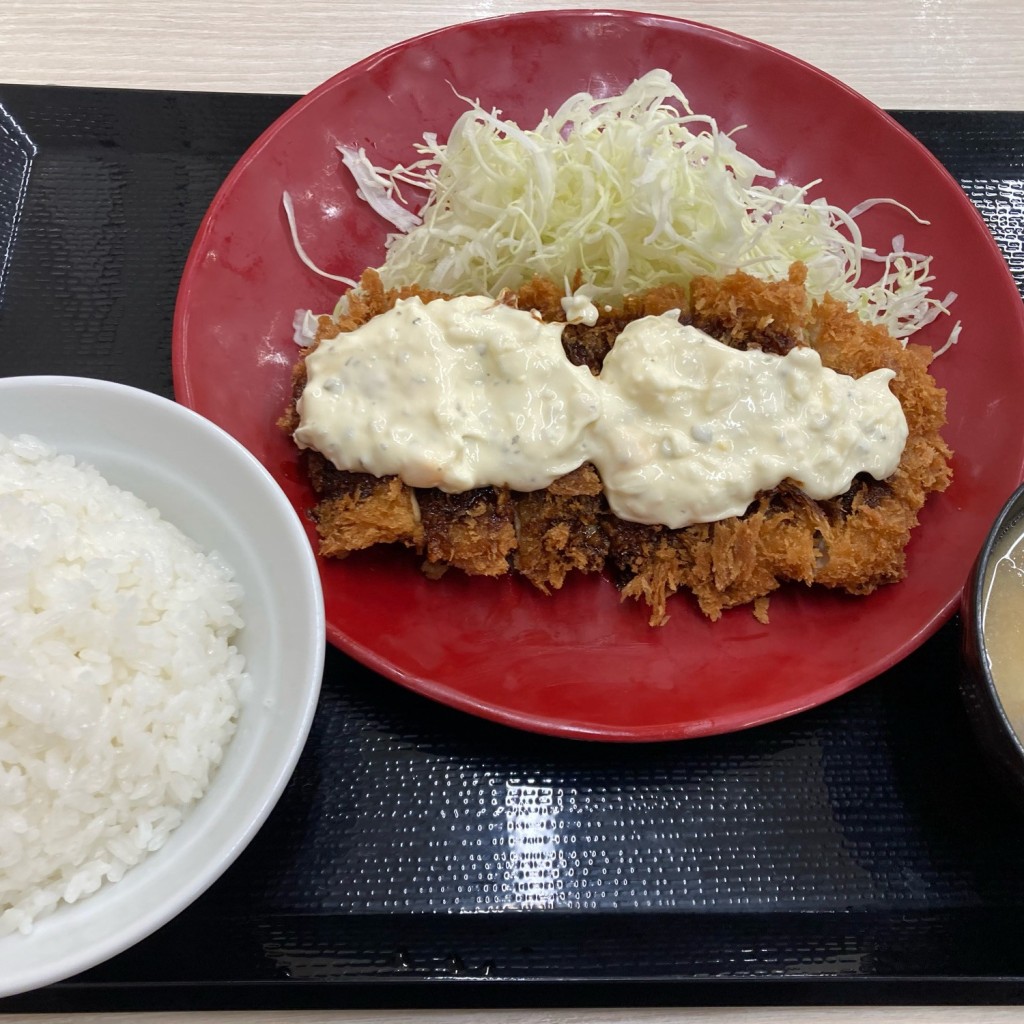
(925, 54)
(938, 54)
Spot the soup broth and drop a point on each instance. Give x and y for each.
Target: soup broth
(1003, 622)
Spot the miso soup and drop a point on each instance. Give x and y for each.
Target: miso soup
(1003, 621)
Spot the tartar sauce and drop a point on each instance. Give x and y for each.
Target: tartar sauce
(691, 429)
(450, 394)
(683, 429)
(579, 308)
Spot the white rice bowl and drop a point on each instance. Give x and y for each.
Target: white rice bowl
(205, 484)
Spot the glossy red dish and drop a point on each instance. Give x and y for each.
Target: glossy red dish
(580, 663)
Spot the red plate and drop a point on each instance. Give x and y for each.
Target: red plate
(579, 663)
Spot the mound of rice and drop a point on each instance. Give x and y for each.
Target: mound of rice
(119, 684)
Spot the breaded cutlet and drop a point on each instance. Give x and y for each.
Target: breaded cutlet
(854, 542)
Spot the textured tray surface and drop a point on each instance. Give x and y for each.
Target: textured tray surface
(857, 851)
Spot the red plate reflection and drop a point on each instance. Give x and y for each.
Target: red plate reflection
(581, 664)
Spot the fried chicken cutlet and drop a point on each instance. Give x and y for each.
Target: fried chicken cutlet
(854, 542)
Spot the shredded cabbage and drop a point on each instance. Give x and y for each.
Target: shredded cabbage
(289, 212)
(377, 190)
(629, 191)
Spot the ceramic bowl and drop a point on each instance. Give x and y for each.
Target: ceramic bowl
(208, 485)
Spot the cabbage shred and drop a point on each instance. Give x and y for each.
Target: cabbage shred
(627, 192)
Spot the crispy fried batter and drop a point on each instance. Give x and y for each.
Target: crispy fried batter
(474, 531)
(360, 510)
(746, 312)
(854, 542)
(561, 529)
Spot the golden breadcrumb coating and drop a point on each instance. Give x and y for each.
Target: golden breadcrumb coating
(854, 542)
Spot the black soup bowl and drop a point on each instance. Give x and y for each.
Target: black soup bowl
(992, 685)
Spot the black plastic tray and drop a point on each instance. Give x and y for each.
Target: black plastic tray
(858, 852)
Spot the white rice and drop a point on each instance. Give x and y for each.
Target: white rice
(119, 684)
